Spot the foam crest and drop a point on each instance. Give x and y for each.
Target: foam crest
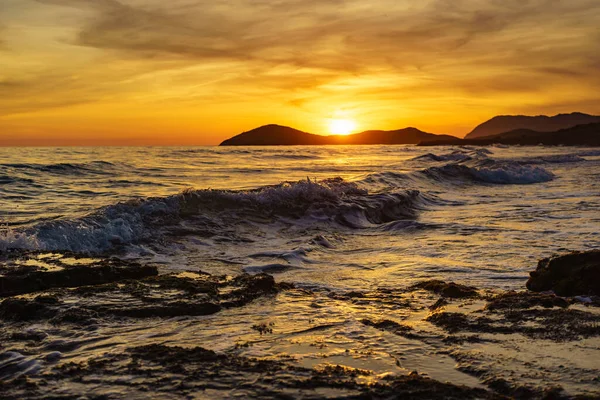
(331, 201)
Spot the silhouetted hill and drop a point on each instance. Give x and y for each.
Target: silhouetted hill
(399, 136)
(580, 135)
(270, 135)
(540, 123)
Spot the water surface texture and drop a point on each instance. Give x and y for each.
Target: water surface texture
(328, 219)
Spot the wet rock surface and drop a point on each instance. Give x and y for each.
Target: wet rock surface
(523, 300)
(450, 290)
(390, 326)
(34, 272)
(572, 274)
(544, 316)
(135, 337)
(159, 370)
(557, 325)
(161, 296)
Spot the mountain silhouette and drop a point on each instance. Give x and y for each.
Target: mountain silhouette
(580, 135)
(540, 123)
(399, 136)
(272, 135)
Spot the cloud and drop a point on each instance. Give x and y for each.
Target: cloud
(339, 35)
(302, 50)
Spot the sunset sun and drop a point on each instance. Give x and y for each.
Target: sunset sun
(341, 126)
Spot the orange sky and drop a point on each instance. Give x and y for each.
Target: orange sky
(150, 72)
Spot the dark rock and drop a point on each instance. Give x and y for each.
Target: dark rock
(163, 296)
(261, 283)
(165, 309)
(75, 315)
(572, 274)
(111, 270)
(450, 290)
(171, 371)
(387, 325)
(441, 302)
(555, 324)
(520, 300)
(28, 310)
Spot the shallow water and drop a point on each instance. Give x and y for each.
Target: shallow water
(398, 215)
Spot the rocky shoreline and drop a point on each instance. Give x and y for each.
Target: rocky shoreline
(52, 292)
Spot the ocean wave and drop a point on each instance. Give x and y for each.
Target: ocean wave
(589, 153)
(331, 201)
(7, 179)
(454, 156)
(480, 150)
(496, 173)
(551, 159)
(289, 156)
(94, 167)
(457, 155)
(484, 170)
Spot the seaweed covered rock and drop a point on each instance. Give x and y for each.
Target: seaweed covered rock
(572, 274)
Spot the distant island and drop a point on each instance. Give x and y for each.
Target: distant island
(277, 135)
(562, 129)
(580, 135)
(541, 123)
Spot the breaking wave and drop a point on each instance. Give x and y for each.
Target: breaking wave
(211, 212)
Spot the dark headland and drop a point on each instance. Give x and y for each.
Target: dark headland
(574, 129)
(540, 123)
(580, 135)
(277, 135)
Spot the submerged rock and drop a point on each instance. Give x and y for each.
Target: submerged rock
(390, 326)
(572, 274)
(162, 296)
(170, 371)
(556, 324)
(28, 310)
(38, 272)
(520, 300)
(450, 290)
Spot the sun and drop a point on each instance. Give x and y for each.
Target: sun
(341, 126)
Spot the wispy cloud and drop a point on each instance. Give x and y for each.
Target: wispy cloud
(299, 52)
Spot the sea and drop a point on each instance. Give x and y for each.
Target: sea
(328, 219)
